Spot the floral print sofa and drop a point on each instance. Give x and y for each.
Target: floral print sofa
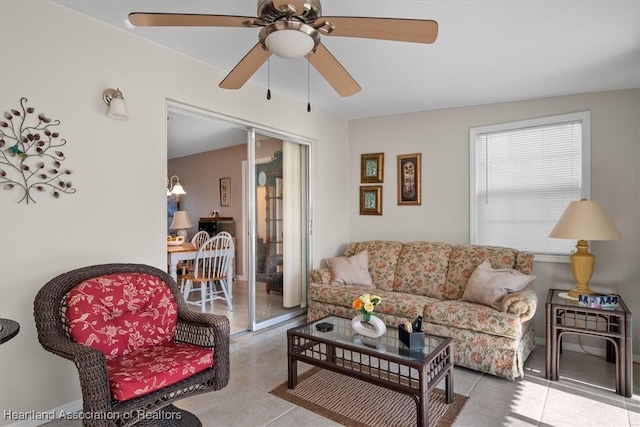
(429, 279)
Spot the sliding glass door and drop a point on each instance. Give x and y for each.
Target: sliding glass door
(281, 233)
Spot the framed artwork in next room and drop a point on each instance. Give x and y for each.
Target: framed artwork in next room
(225, 191)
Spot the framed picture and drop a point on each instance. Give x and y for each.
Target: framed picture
(410, 179)
(372, 168)
(371, 200)
(225, 191)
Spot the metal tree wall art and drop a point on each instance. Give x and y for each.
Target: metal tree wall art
(29, 154)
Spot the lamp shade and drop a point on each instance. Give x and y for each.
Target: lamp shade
(585, 220)
(177, 189)
(118, 109)
(180, 221)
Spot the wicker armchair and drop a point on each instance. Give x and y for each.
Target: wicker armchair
(100, 408)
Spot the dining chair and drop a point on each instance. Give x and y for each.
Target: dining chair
(200, 237)
(211, 272)
(185, 266)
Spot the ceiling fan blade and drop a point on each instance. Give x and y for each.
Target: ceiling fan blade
(404, 30)
(245, 68)
(142, 19)
(333, 72)
(297, 5)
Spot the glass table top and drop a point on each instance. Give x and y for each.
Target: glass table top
(389, 343)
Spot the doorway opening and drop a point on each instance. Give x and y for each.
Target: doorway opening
(264, 202)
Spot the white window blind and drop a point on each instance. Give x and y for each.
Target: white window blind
(523, 176)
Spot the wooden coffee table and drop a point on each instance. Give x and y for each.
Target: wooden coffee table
(383, 361)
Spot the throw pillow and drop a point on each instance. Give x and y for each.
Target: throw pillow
(488, 286)
(351, 271)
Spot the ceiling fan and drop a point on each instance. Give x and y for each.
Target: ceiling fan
(292, 29)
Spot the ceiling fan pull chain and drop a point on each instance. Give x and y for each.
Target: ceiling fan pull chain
(308, 90)
(269, 78)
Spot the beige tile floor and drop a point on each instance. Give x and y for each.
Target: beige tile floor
(267, 306)
(582, 397)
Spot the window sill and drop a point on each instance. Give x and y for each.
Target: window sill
(563, 259)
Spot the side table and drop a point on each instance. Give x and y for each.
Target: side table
(567, 316)
(8, 329)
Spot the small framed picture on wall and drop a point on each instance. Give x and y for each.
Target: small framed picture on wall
(225, 191)
(410, 179)
(371, 200)
(372, 168)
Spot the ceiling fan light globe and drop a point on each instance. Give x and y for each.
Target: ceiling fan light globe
(289, 43)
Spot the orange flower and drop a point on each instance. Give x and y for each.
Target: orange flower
(357, 304)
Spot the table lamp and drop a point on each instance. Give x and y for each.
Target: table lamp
(181, 222)
(583, 220)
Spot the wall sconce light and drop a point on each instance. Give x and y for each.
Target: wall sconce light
(117, 107)
(174, 188)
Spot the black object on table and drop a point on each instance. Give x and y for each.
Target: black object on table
(8, 329)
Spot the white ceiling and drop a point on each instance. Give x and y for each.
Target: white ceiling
(486, 51)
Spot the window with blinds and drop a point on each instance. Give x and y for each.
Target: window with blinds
(523, 176)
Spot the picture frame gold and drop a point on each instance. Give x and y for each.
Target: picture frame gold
(410, 179)
(225, 191)
(371, 200)
(372, 168)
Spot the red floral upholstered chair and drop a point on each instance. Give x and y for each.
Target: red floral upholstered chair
(136, 345)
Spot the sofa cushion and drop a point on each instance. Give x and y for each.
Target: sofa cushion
(120, 313)
(474, 317)
(383, 260)
(393, 303)
(352, 270)
(464, 260)
(489, 286)
(422, 269)
(150, 368)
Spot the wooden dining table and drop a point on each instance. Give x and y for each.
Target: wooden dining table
(188, 251)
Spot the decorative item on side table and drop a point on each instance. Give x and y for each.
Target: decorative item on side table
(583, 220)
(366, 323)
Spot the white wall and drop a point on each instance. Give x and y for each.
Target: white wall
(443, 139)
(62, 61)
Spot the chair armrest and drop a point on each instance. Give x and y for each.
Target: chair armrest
(321, 275)
(92, 373)
(208, 330)
(203, 329)
(522, 303)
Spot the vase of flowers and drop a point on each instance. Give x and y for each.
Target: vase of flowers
(365, 322)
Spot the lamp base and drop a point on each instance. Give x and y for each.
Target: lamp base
(184, 233)
(582, 268)
(566, 295)
(577, 291)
